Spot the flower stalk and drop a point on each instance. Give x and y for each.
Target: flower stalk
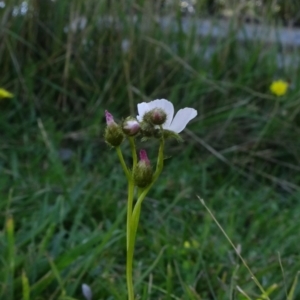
(155, 120)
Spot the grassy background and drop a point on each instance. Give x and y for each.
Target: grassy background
(65, 190)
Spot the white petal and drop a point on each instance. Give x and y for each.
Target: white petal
(181, 119)
(142, 109)
(166, 106)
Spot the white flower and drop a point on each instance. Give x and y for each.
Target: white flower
(176, 124)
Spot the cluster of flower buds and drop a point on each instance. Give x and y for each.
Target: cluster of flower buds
(154, 119)
(115, 134)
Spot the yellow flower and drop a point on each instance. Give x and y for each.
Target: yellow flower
(193, 244)
(279, 87)
(187, 245)
(5, 94)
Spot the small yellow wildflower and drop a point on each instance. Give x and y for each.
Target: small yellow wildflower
(5, 94)
(187, 245)
(279, 87)
(193, 244)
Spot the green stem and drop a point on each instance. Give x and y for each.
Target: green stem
(136, 216)
(135, 220)
(129, 209)
(129, 258)
(129, 249)
(121, 158)
(160, 160)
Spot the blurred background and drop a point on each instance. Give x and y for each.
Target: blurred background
(68, 61)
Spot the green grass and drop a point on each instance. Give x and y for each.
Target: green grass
(241, 155)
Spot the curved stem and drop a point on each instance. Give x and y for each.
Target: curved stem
(160, 160)
(133, 216)
(142, 194)
(121, 158)
(136, 216)
(129, 210)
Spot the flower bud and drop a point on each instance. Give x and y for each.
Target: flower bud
(113, 133)
(142, 173)
(156, 116)
(131, 126)
(148, 129)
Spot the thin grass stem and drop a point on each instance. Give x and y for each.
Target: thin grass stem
(235, 249)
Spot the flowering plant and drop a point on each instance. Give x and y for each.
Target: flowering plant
(154, 120)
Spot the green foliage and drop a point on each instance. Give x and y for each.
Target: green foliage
(63, 188)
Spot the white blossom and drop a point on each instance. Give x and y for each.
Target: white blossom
(176, 124)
